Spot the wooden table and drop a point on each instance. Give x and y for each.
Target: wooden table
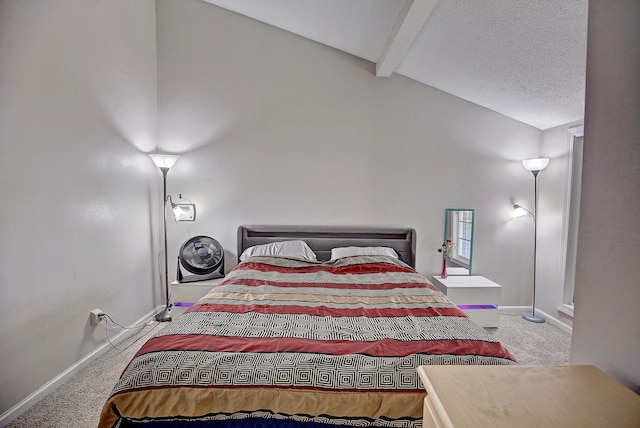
(526, 396)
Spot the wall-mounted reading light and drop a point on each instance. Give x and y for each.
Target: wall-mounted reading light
(519, 211)
(183, 211)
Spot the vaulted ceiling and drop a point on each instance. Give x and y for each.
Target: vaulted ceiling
(522, 58)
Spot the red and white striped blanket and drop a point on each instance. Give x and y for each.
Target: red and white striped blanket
(334, 342)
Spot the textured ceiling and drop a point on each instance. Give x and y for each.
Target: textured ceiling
(522, 58)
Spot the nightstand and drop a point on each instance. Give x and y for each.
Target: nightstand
(526, 397)
(476, 295)
(186, 294)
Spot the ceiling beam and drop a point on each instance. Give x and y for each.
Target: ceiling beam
(406, 28)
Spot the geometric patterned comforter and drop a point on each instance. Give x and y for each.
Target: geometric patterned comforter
(290, 342)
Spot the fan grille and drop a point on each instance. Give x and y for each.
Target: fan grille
(201, 255)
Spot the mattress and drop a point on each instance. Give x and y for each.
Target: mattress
(290, 342)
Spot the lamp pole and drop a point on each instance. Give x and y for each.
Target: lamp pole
(164, 162)
(165, 315)
(532, 316)
(535, 166)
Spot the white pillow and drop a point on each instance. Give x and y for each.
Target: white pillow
(338, 252)
(285, 248)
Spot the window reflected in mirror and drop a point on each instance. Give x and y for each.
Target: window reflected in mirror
(458, 227)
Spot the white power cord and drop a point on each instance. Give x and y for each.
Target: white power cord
(108, 320)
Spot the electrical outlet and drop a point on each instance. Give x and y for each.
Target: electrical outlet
(95, 316)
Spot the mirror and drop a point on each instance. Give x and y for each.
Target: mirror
(458, 227)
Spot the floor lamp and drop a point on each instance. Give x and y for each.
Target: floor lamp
(164, 162)
(535, 166)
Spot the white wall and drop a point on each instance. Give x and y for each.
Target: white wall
(78, 103)
(607, 319)
(277, 129)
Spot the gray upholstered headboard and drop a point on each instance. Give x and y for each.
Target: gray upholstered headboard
(322, 239)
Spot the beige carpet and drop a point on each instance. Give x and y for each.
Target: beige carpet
(78, 402)
(531, 343)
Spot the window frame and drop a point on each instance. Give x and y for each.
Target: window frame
(571, 220)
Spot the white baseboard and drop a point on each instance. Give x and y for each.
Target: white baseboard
(551, 320)
(510, 310)
(556, 322)
(11, 414)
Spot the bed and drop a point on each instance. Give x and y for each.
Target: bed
(285, 341)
